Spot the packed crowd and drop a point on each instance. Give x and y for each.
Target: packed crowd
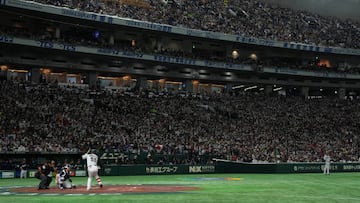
(178, 128)
(240, 17)
(82, 37)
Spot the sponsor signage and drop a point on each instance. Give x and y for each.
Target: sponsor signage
(8, 174)
(87, 15)
(252, 40)
(7, 39)
(351, 167)
(32, 173)
(107, 171)
(131, 54)
(80, 173)
(202, 169)
(161, 170)
(52, 45)
(147, 25)
(172, 59)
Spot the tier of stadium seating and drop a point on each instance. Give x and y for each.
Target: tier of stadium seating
(241, 17)
(247, 127)
(81, 37)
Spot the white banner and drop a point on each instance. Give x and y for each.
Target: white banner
(80, 173)
(8, 174)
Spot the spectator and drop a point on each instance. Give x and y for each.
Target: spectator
(266, 129)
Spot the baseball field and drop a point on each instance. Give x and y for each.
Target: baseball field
(270, 188)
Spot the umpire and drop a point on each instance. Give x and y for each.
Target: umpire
(45, 174)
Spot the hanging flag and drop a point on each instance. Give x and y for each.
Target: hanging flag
(159, 147)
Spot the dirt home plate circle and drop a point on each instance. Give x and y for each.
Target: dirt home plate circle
(109, 189)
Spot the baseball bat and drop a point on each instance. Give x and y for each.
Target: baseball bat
(88, 151)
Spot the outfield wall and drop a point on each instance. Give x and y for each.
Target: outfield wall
(227, 167)
(233, 167)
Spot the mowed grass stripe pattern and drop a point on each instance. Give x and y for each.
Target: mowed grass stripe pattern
(269, 188)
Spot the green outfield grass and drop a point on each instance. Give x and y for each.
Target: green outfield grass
(270, 188)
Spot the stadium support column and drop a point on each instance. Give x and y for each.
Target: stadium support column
(57, 33)
(111, 40)
(188, 86)
(268, 89)
(92, 79)
(342, 93)
(4, 73)
(141, 83)
(305, 91)
(228, 88)
(35, 75)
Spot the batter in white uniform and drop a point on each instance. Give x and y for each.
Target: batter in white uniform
(92, 168)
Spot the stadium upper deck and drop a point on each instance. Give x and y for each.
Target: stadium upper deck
(183, 52)
(241, 17)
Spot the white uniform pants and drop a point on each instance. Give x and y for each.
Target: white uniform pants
(92, 172)
(327, 169)
(23, 173)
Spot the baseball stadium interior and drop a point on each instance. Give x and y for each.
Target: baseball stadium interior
(165, 82)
